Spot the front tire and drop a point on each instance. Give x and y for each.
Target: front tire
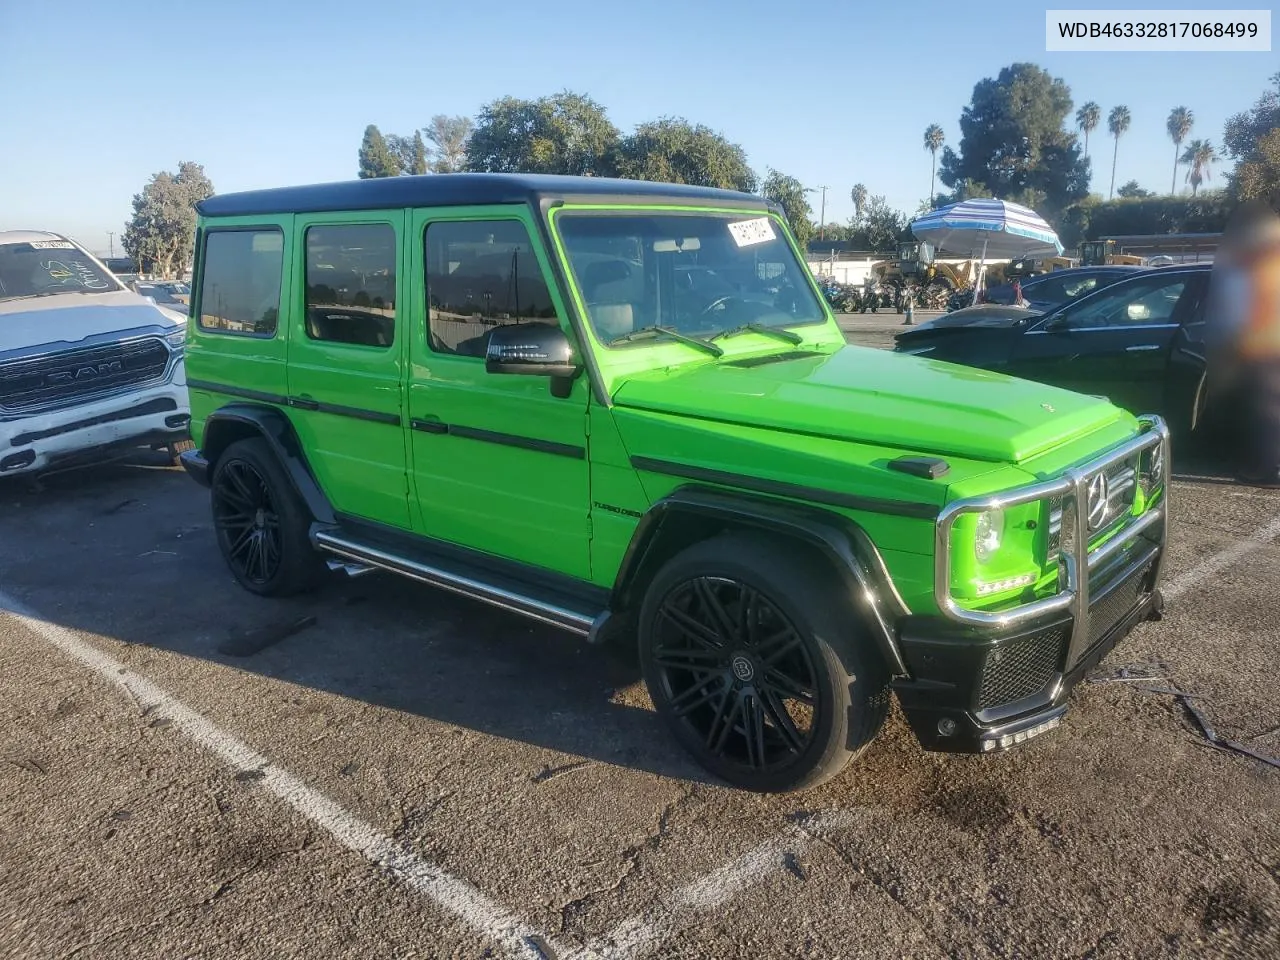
(261, 523)
(757, 665)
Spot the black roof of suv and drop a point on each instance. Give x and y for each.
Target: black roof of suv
(458, 189)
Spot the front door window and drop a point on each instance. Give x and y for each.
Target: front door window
(1147, 302)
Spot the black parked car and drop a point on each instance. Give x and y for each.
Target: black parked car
(1138, 341)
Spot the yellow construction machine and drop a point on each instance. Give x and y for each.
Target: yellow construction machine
(1095, 253)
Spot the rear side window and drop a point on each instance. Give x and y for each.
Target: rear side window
(481, 274)
(240, 281)
(351, 284)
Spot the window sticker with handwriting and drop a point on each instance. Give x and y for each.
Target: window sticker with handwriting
(748, 232)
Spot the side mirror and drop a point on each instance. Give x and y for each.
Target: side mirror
(532, 349)
(1057, 323)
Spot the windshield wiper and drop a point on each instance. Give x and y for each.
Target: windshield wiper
(658, 329)
(782, 334)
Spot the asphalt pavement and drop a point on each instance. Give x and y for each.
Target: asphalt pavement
(381, 770)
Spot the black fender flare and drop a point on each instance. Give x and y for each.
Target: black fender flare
(236, 420)
(672, 523)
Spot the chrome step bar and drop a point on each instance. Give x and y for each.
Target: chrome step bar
(363, 554)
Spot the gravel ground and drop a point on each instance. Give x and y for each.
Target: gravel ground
(386, 771)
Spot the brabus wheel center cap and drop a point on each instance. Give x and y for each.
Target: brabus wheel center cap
(260, 518)
(742, 668)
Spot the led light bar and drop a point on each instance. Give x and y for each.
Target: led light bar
(999, 586)
(1009, 739)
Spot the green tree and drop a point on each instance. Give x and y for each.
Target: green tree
(1258, 178)
(1013, 140)
(933, 140)
(410, 153)
(1251, 139)
(565, 133)
(1131, 190)
(1199, 158)
(878, 227)
(376, 158)
(1087, 119)
(448, 137)
(1118, 121)
(789, 193)
(160, 236)
(1179, 127)
(671, 150)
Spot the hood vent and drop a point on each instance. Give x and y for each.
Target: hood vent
(774, 358)
(931, 468)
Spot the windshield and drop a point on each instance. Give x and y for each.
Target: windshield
(47, 267)
(698, 274)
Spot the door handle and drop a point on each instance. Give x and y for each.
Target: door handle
(1143, 346)
(304, 403)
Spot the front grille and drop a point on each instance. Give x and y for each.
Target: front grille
(1017, 669)
(74, 376)
(1111, 609)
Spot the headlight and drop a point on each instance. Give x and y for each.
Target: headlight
(990, 529)
(177, 339)
(1151, 468)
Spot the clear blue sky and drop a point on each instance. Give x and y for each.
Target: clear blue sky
(100, 95)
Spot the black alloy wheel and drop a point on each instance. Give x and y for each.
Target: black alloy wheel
(247, 522)
(734, 669)
(261, 523)
(757, 665)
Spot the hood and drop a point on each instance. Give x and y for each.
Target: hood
(987, 315)
(69, 318)
(872, 396)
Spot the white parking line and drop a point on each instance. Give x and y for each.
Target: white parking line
(640, 934)
(1220, 561)
(451, 894)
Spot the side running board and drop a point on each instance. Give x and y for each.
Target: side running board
(466, 581)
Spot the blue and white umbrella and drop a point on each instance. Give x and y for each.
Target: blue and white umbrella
(987, 228)
(996, 228)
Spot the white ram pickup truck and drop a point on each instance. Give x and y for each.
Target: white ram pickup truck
(87, 367)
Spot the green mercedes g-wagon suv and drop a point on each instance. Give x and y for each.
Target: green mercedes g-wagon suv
(624, 409)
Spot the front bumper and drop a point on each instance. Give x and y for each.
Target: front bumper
(88, 432)
(972, 692)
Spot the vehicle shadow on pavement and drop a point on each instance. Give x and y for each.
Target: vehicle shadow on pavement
(127, 551)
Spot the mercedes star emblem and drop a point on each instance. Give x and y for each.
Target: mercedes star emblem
(1099, 501)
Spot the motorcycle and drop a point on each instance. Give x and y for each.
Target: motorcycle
(872, 297)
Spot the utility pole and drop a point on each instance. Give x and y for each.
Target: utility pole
(822, 217)
(111, 241)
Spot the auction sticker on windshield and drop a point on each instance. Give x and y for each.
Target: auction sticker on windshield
(747, 232)
(52, 245)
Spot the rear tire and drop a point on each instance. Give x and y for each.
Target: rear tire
(758, 668)
(261, 524)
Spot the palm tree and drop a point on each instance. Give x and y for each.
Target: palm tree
(1087, 119)
(1179, 127)
(1198, 157)
(1117, 122)
(933, 140)
(859, 197)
